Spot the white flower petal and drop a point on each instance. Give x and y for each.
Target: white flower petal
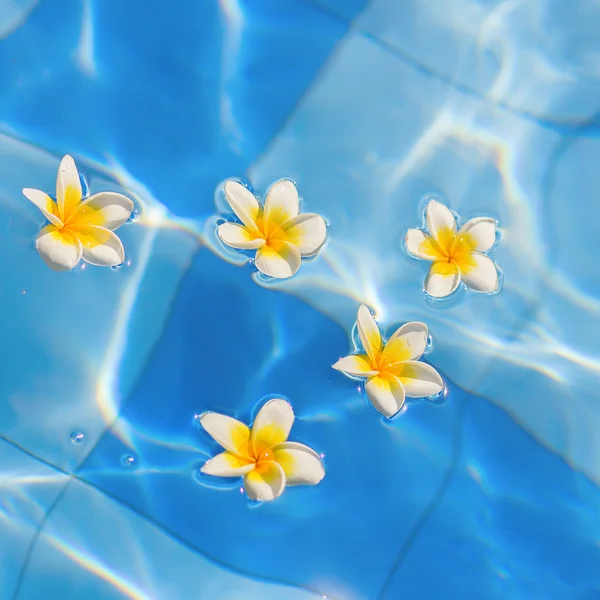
(483, 276)
(442, 280)
(356, 365)
(279, 259)
(271, 426)
(243, 203)
(281, 203)
(368, 332)
(307, 232)
(238, 236)
(481, 231)
(60, 250)
(266, 482)
(230, 433)
(301, 464)
(227, 464)
(406, 343)
(101, 247)
(105, 209)
(386, 395)
(420, 379)
(439, 219)
(45, 204)
(68, 188)
(418, 244)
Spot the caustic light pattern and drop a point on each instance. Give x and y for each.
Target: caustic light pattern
(278, 232)
(392, 369)
(262, 454)
(79, 228)
(456, 255)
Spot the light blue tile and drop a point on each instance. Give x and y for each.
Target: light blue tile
(92, 547)
(73, 343)
(180, 114)
(27, 489)
(538, 57)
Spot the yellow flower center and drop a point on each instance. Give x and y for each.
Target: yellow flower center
(270, 231)
(450, 250)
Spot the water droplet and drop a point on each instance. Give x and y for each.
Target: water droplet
(117, 267)
(133, 216)
(77, 437)
(428, 345)
(128, 460)
(23, 292)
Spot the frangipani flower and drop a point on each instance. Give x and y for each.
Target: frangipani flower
(262, 455)
(392, 369)
(79, 228)
(278, 233)
(456, 255)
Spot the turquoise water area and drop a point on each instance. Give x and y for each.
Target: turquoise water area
(370, 106)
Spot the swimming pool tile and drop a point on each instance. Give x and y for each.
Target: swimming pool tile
(95, 548)
(516, 522)
(554, 364)
(73, 342)
(180, 115)
(228, 344)
(412, 136)
(27, 489)
(537, 57)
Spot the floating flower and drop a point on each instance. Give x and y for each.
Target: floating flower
(456, 255)
(262, 455)
(79, 228)
(392, 369)
(279, 234)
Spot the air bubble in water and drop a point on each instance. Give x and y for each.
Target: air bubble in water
(77, 437)
(128, 460)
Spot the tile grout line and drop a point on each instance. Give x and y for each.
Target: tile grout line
(73, 475)
(338, 46)
(145, 517)
(42, 523)
(566, 127)
(436, 500)
(433, 503)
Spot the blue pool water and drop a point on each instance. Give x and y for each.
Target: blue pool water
(370, 106)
